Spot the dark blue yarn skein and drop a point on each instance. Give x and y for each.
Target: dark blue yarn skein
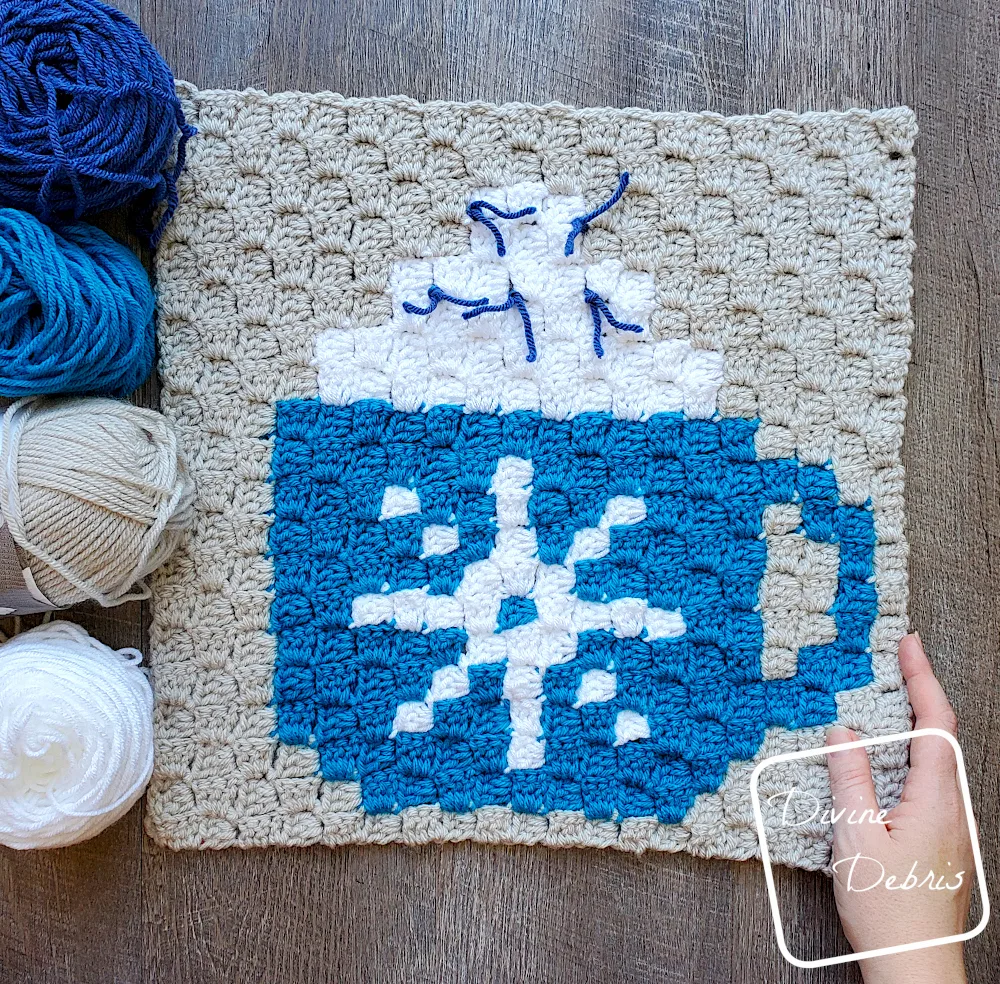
(76, 311)
(89, 119)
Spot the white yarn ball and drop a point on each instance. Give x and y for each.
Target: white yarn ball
(76, 736)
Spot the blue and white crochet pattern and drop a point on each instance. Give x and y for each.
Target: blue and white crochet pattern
(537, 502)
(476, 609)
(533, 579)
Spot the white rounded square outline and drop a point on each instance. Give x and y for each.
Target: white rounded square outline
(769, 873)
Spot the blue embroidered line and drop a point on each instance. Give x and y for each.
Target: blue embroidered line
(598, 307)
(436, 296)
(475, 212)
(514, 299)
(581, 222)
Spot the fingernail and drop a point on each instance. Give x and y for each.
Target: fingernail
(838, 735)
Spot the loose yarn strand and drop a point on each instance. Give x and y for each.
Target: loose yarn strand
(599, 307)
(172, 197)
(514, 300)
(582, 222)
(436, 295)
(476, 211)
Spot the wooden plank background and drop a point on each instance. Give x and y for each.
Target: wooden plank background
(118, 909)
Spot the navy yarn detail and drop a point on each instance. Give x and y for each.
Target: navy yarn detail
(76, 311)
(436, 295)
(700, 549)
(516, 611)
(599, 307)
(514, 300)
(89, 117)
(581, 222)
(475, 212)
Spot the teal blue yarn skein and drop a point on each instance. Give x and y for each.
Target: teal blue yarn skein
(76, 311)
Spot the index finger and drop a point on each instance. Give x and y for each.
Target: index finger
(931, 709)
(853, 792)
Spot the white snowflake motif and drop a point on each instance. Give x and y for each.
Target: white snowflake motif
(513, 570)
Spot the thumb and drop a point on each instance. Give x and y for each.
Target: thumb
(853, 794)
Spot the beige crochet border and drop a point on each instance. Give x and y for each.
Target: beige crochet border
(783, 240)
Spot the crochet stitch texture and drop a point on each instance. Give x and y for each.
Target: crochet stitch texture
(503, 541)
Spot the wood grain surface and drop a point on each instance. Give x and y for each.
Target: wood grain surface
(118, 909)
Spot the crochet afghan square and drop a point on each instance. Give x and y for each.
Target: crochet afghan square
(548, 469)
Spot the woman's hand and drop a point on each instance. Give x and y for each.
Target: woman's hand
(905, 875)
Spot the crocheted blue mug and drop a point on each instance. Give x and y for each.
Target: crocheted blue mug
(477, 608)
(548, 574)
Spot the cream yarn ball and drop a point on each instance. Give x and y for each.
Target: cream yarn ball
(95, 494)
